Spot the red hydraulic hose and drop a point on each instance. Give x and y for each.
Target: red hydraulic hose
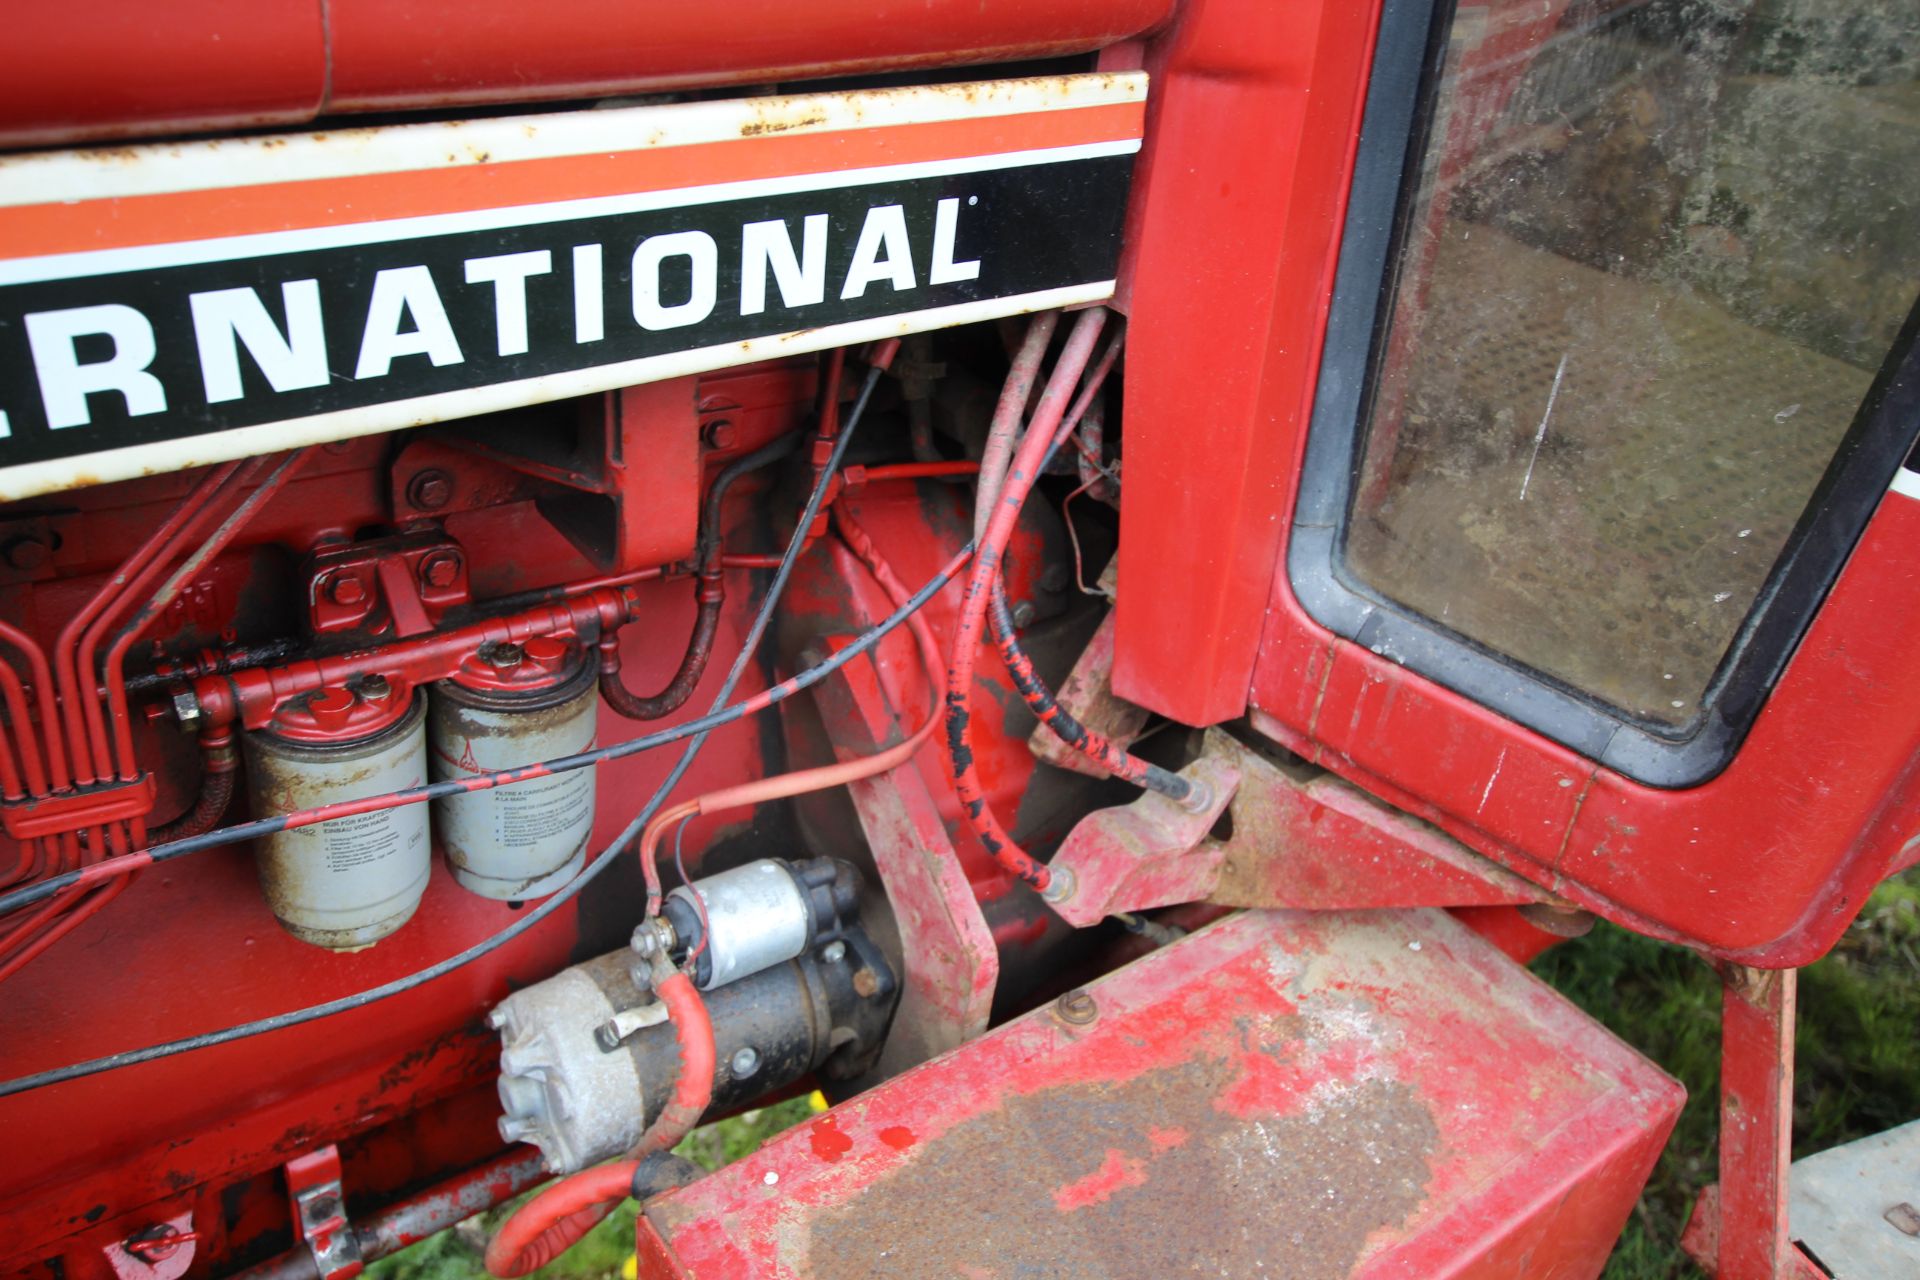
(999, 522)
(553, 1222)
(1008, 412)
(219, 760)
(699, 1059)
(1063, 724)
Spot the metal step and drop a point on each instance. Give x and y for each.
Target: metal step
(1856, 1208)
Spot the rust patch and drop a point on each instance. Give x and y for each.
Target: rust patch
(763, 125)
(1149, 1177)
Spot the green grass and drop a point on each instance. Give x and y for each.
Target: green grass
(1856, 1051)
(1857, 1072)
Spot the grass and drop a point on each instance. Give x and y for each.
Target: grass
(1857, 1062)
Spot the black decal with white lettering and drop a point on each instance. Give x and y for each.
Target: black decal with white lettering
(100, 362)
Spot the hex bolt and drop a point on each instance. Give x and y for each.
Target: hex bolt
(1077, 1007)
(344, 588)
(374, 688)
(866, 983)
(744, 1062)
(504, 657)
(719, 433)
(430, 490)
(651, 936)
(1024, 613)
(833, 953)
(441, 569)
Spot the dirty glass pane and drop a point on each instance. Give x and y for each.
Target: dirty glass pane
(1656, 253)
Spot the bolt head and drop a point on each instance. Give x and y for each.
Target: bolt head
(441, 569)
(834, 952)
(720, 434)
(744, 1062)
(186, 707)
(345, 589)
(1077, 1007)
(505, 657)
(430, 490)
(652, 937)
(1024, 613)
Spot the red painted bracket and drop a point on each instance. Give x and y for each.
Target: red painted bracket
(86, 807)
(1151, 853)
(1302, 837)
(320, 1214)
(1739, 1228)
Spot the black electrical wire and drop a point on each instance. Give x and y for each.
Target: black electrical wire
(761, 619)
(697, 729)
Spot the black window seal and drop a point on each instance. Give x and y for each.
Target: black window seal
(1401, 94)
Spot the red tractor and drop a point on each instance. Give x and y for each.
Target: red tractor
(1089, 578)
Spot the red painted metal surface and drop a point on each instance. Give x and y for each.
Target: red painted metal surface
(1347, 1095)
(1740, 1229)
(1766, 864)
(1763, 865)
(120, 67)
(1230, 246)
(318, 1200)
(1300, 837)
(1153, 852)
(1511, 1134)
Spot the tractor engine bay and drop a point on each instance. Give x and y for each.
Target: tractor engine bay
(1079, 584)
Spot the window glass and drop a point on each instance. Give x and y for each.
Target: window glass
(1655, 254)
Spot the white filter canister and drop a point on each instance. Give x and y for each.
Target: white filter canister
(524, 840)
(347, 883)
